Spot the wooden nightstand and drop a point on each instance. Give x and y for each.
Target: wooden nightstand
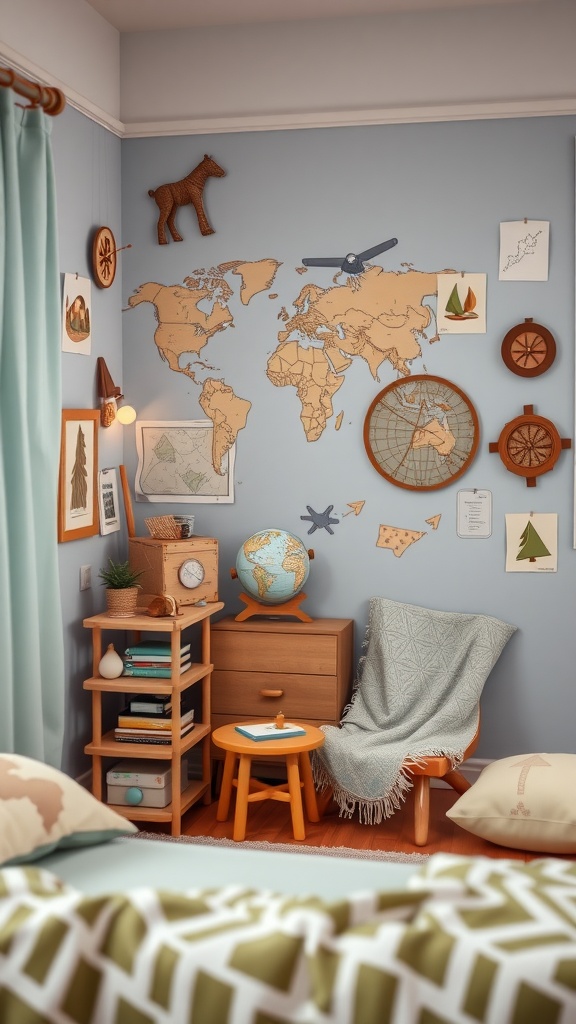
(263, 666)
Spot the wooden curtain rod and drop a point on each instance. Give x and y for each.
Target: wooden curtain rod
(51, 100)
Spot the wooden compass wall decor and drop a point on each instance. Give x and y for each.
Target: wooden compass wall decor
(529, 445)
(104, 258)
(528, 349)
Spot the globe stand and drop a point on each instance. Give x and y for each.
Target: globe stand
(291, 607)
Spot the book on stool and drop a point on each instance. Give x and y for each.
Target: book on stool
(142, 783)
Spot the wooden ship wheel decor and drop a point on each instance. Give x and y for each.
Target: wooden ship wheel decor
(529, 349)
(529, 445)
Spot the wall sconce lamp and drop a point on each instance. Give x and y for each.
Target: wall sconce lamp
(126, 414)
(109, 395)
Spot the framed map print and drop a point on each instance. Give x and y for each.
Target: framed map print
(77, 490)
(183, 461)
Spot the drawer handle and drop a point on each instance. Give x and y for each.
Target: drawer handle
(271, 693)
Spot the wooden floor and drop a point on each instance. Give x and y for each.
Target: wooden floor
(270, 822)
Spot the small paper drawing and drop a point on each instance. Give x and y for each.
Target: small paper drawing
(108, 501)
(474, 513)
(355, 507)
(320, 520)
(76, 304)
(461, 304)
(531, 542)
(397, 539)
(524, 250)
(434, 521)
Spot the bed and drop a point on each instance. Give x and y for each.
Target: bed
(97, 927)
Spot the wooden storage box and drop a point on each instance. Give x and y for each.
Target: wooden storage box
(154, 782)
(162, 562)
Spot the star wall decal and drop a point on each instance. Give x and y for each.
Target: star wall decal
(320, 520)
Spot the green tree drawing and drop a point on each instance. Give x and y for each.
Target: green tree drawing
(79, 476)
(532, 545)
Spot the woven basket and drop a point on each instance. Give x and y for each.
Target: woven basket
(121, 603)
(163, 527)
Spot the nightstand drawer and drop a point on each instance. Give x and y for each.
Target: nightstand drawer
(263, 666)
(264, 694)
(282, 652)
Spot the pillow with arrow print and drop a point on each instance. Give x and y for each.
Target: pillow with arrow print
(525, 802)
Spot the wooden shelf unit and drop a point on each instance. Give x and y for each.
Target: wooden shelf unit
(104, 745)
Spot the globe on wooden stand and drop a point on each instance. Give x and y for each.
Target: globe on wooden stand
(273, 567)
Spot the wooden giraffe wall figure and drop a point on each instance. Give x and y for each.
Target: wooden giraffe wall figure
(181, 193)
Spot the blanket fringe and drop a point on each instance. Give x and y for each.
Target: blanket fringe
(373, 812)
(370, 812)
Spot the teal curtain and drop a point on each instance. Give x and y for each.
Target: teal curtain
(31, 638)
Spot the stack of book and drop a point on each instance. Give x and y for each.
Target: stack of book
(148, 719)
(154, 658)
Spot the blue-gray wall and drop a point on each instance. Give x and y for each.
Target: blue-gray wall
(87, 163)
(442, 190)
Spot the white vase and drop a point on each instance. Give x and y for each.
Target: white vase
(111, 665)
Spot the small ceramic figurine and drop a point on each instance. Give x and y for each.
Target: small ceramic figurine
(111, 665)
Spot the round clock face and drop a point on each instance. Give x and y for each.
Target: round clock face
(421, 433)
(528, 349)
(104, 257)
(191, 573)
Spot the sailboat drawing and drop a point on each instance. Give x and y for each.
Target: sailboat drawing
(456, 311)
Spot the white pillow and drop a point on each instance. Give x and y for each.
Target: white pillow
(42, 809)
(526, 802)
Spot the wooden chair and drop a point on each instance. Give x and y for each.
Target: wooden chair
(427, 768)
(435, 768)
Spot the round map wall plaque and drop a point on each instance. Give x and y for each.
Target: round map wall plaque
(421, 433)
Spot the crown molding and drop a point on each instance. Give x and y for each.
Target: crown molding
(552, 107)
(14, 60)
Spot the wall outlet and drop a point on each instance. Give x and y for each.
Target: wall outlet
(85, 577)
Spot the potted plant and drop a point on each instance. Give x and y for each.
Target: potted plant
(122, 588)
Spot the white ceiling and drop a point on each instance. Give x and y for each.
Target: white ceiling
(154, 15)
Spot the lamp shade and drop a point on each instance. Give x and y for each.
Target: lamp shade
(126, 414)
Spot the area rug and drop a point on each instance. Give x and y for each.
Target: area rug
(316, 851)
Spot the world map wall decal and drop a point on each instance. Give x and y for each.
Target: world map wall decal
(375, 317)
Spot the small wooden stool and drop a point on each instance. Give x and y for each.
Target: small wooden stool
(294, 749)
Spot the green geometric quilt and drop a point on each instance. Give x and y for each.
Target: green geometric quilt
(467, 941)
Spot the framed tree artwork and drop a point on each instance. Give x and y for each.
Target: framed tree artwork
(77, 488)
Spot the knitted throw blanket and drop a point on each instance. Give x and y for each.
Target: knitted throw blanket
(417, 694)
